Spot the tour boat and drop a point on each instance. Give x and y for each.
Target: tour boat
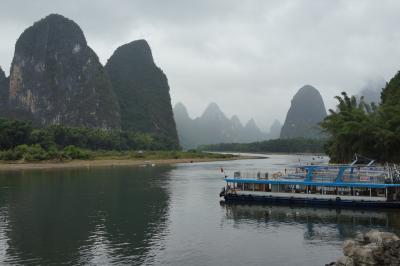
(353, 185)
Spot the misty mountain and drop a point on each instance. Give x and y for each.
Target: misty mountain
(213, 127)
(184, 126)
(306, 111)
(275, 130)
(251, 133)
(3, 92)
(372, 90)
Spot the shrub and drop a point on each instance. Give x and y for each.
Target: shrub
(32, 153)
(10, 155)
(72, 152)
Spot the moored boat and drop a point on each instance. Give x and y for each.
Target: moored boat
(353, 185)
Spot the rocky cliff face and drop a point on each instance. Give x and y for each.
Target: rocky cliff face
(3, 93)
(213, 127)
(57, 79)
(306, 111)
(142, 90)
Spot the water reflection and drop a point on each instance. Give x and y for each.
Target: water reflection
(164, 216)
(83, 216)
(319, 224)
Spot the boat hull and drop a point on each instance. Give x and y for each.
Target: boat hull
(338, 202)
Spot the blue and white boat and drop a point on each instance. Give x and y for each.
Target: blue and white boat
(351, 185)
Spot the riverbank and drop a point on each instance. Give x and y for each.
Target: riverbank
(109, 162)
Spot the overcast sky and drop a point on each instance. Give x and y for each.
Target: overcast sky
(250, 57)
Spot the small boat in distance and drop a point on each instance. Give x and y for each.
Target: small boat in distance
(354, 185)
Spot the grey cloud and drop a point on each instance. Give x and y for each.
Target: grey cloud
(248, 56)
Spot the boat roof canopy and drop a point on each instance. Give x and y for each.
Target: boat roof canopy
(309, 183)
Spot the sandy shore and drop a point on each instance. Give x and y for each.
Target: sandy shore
(17, 166)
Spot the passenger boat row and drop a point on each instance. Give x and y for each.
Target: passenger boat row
(352, 185)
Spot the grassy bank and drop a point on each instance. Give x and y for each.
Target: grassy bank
(115, 158)
(29, 155)
(159, 155)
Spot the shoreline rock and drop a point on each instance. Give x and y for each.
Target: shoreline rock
(373, 248)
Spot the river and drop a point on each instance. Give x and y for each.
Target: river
(165, 215)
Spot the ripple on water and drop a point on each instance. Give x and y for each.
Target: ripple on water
(164, 216)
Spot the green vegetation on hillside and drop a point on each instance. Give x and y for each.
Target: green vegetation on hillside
(298, 145)
(142, 91)
(367, 129)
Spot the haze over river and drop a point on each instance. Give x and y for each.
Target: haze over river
(167, 215)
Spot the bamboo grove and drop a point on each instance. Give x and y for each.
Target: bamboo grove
(370, 129)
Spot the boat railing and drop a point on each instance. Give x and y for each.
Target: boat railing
(372, 175)
(269, 174)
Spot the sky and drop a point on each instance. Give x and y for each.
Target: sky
(249, 57)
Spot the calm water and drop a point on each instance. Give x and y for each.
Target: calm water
(169, 215)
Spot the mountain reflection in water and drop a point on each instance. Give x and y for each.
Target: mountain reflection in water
(165, 216)
(82, 216)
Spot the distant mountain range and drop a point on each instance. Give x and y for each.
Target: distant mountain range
(57, 79)
(307, 110)
(214, 127)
